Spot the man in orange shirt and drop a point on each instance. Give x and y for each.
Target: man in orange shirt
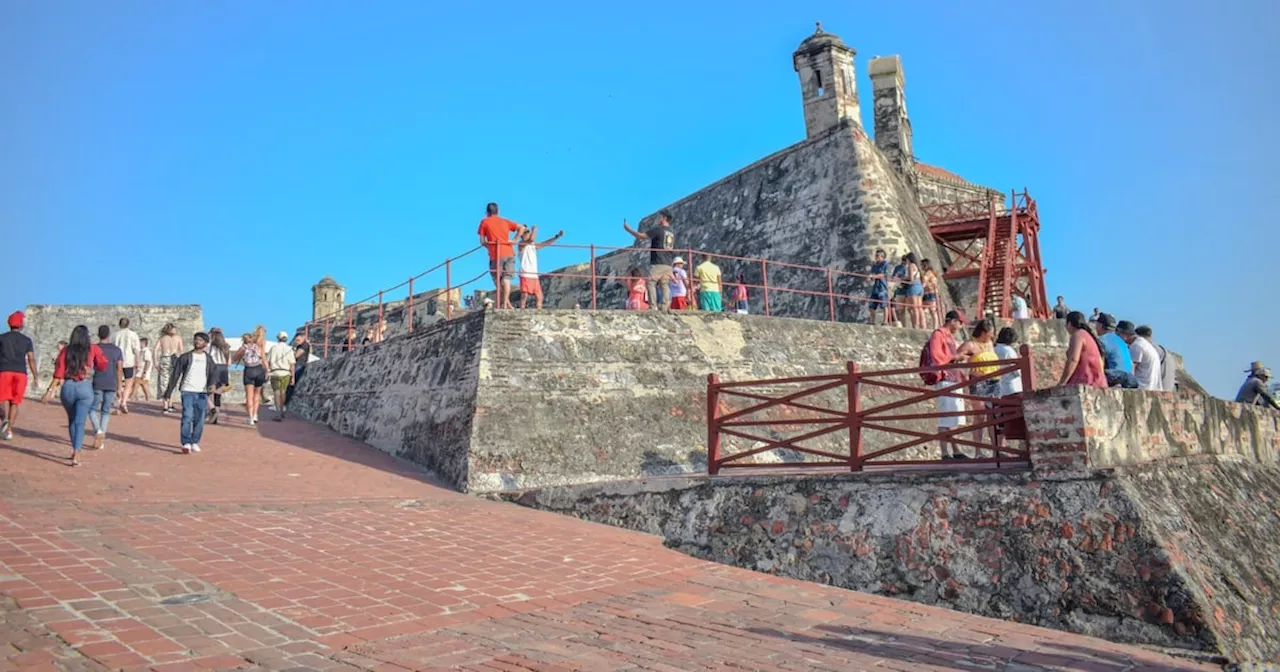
(495, 234)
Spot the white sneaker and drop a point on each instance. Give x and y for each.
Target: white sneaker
(186, 448)
(195, 447)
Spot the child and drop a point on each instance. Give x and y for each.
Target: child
(637, 290)
(530, 284)
(679, 285)
(740, 295)
(142, 377)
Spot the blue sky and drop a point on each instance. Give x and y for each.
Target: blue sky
(232, 153)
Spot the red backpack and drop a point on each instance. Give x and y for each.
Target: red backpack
(926, 360)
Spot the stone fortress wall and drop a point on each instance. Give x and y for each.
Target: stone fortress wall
(502, 400)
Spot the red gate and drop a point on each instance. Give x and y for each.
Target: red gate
(869, 415)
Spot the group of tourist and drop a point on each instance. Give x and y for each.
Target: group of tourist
(665, 285)
(1101, 353)
(94, 380)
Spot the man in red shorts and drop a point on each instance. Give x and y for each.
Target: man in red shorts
(17, 354)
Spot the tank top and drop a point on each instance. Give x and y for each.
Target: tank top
(217, 357)
(1089, 370)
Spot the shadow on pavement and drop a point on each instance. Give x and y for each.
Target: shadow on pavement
(996, 655)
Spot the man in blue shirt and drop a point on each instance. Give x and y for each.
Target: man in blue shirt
(879, 286)
(1117, 363)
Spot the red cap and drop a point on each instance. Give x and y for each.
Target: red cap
(15, 320)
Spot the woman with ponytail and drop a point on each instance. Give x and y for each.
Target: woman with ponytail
(75, 366)
(1084, 355)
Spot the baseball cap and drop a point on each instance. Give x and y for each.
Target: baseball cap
(954, 315)
(16, 319)
(282, 336)
(1126, 327)
(1106, 320)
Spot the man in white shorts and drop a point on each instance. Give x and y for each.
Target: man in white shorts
(938, 351)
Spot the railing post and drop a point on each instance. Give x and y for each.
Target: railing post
(328, 322)
(378, 328)
(855, 417)
(593, 277)
(1028, 368)
(713, 424)
(448, 289)
(688, 280)
(831, 295)
(764, 280)
(410, 307)
(351, 338)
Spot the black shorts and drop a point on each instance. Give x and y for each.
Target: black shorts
(221, 375)
(128, 372)
(255, 376)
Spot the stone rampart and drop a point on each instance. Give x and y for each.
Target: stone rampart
(413, 396)
(48, 324)
(563, 397)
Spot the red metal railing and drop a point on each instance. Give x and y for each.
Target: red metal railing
(803, 280)
(867, 411)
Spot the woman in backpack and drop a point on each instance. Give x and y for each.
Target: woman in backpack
(255, 373)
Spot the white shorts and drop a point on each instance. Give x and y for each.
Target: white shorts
(949, 404)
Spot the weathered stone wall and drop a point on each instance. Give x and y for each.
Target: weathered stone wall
(412, 396)
(827, 202)
(581, 396)
(1064, 555)
(48, 324)
(1078, 430)
(1147, 517)
(1181, 556)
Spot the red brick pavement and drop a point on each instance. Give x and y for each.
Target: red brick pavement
(288, 547)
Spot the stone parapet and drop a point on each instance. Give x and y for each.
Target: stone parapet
(1075, 431)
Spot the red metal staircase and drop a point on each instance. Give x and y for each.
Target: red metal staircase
(997, 243)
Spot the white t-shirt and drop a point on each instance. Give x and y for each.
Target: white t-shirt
(529, 261)
(129, 343)
(1146, 363)
(1020, 311)
(197, 377)
(147, 360)
(1010, 383)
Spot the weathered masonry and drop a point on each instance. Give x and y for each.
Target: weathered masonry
(1147, 517)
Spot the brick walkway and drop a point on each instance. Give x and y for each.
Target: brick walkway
(288, 547)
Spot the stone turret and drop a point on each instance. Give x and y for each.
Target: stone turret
(892, 127)
(327, 298)
(827, 83)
